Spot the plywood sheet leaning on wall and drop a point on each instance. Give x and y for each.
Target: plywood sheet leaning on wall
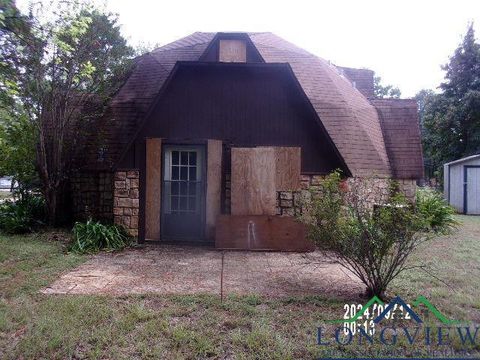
(214, 185)
(261, 232)
(253, 175)
(153, 188)
(287, 168)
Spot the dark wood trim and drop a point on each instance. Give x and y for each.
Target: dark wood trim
(465, 179)
(281, 66)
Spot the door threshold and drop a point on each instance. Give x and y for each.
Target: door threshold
(180, 243)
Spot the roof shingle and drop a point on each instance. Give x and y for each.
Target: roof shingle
(350, 119)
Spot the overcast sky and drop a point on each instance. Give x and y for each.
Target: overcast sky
(405, 41)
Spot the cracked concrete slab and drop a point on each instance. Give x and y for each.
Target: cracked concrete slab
(193, 270)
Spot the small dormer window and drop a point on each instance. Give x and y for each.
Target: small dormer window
(232, 51)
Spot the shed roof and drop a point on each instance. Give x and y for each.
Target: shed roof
(468, 158)
(351, 120)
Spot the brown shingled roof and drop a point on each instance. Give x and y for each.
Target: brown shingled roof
(401, 129)
(351, 120)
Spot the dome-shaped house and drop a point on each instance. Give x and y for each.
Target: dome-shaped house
(230, 127)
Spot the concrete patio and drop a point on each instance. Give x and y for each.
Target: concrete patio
(192, 270)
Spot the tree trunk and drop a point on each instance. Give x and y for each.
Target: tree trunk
(51, 200)
(375, 291)
(57, 211)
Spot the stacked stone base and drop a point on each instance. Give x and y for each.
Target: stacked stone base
(373, 190)
(126, 200)
(107, 196)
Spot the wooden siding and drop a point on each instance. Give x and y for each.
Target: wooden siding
(242, 106)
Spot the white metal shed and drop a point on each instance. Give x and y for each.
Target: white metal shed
(462, 184)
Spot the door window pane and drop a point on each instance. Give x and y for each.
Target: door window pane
(192, 173)
(175, 171)
(175, 157)
(184, 158)
(192, 158)
(182, 185)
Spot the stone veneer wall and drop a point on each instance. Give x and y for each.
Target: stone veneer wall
(126, 200)
(409, 188)
(375, 190)
(92, 196)
(126, 194)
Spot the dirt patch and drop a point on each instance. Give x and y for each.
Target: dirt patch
(194, 270)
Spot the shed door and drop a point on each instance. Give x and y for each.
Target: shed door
(473, 190)
(183, 199)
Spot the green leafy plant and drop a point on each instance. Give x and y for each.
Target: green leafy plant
(93, 236)
(436, 212)
(59, 66)
(372, 241)
(23, 215)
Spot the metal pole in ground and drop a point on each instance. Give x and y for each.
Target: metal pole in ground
(221, 277)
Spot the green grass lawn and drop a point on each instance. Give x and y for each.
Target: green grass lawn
(33, 325)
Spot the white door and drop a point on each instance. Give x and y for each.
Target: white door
(473, 190)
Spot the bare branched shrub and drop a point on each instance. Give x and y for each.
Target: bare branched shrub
(373, 241)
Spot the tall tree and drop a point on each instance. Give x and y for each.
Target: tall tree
(61, 66)
(451, 119)
(385, 91)
(462, 89)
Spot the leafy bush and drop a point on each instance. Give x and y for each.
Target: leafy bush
(436, 212)
(23, 215)
(372, 242)
(93, 236)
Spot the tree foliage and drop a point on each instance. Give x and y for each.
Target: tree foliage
(60, 63)
(450, 120)
(385, 91)
(17, 145)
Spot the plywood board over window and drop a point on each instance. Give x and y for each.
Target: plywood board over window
(232, 51)
(287, 167)
(153, 185)
(258, 173)
(253, 181)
